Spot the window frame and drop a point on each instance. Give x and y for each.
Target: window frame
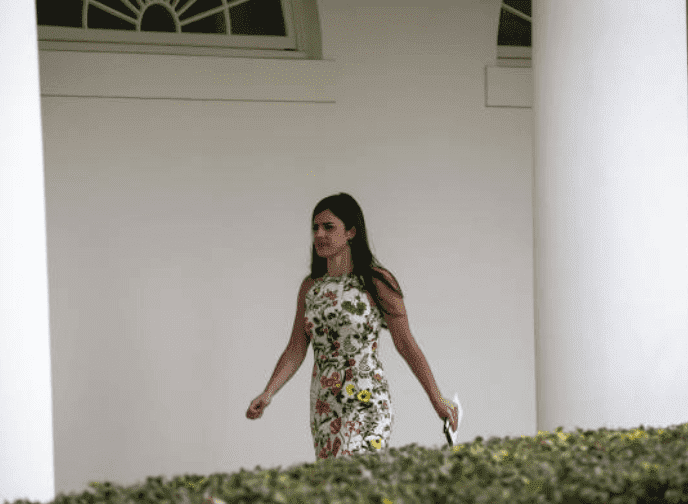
(515, 56)
(58, 38)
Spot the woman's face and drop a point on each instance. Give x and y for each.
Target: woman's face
(329, 235)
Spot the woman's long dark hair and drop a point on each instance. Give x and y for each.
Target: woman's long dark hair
(345, 208)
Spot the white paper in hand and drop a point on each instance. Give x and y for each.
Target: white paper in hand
(453, 436)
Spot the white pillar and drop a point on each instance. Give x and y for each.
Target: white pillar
(26, 427)
(610, 210)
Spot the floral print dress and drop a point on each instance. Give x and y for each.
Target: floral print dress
(351, 409)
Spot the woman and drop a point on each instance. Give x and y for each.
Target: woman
(342, 305)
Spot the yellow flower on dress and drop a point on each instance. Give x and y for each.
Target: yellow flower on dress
(364, 396)
(350, 389)
(377, 443)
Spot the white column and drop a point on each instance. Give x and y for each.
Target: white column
(610, 209)
(26, 430)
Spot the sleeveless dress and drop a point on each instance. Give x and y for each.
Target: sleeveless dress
(351, 410)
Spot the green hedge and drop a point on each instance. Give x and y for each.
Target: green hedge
(641, 466)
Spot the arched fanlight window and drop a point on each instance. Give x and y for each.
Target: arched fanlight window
(514, 36)
(191, 27)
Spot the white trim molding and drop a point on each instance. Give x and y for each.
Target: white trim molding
(152, 76)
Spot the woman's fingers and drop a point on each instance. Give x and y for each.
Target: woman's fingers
(255, 410)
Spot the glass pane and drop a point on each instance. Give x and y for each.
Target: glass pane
(158, 18)
(213, 23)
(258, 17)
(513, 30)
(101, 18)
(52, 13)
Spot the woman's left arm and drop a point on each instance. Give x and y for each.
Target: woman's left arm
(406, 345)
(408, 348)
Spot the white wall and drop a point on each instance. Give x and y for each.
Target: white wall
(179, 231)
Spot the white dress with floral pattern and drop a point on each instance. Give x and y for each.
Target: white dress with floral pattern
(351, 410)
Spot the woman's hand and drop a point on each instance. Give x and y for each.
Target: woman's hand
(258, 406)
(445, 409)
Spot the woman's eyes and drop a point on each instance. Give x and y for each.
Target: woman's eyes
(315, 228)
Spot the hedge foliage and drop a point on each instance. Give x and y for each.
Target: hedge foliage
(640, 466)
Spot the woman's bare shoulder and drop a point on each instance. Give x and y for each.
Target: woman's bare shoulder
(308, 282)
(387, 275)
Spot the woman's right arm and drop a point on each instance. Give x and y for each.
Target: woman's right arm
(297, 348)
